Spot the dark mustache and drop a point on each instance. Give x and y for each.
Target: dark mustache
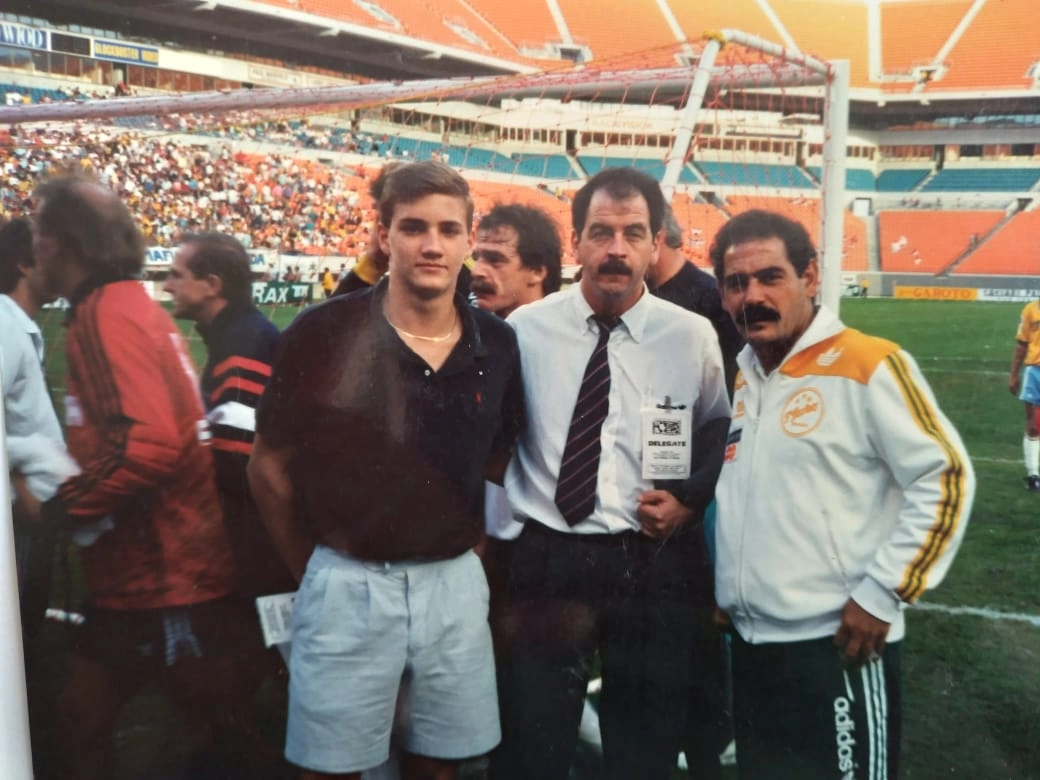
(753, 313)
(480, 286)
(614, 266)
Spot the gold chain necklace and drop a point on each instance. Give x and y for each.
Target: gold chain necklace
(434, 339)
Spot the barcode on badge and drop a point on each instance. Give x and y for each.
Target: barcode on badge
(667, 427)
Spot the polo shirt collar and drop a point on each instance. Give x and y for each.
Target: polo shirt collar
(633, 320)
(469, 347)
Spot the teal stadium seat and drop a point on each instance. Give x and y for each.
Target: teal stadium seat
(901, 180)
(36, 94)
(544, 166)
(754, 175)
(593, 164)
(855, 178)
(983, 180)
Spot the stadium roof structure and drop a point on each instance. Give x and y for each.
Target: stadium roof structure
(364, 43)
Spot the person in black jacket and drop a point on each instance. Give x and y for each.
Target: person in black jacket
(211, 283)
(679, 281)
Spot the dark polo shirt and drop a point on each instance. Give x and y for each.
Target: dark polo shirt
(389, 455)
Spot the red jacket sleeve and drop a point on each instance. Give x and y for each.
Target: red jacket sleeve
(139, 405)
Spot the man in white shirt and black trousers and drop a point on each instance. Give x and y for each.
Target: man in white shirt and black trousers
(35, 451)
(627, 412)
(35, 444)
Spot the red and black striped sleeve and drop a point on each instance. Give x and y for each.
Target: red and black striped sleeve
(238, 382)
(139, 395)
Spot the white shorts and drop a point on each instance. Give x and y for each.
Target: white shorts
(1031, 386)
(359, 630)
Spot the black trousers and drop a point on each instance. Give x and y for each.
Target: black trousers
(35, 562)
(802, 713)
(635, 601)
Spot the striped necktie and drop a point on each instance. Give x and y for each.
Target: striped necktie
(576, 484)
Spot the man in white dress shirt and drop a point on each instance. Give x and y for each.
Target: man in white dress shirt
(35, 446)
(603, 562)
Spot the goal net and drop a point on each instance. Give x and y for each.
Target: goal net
(725, 124)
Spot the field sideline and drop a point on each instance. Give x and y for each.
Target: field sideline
(972, 694)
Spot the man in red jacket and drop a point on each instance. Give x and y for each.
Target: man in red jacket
(156, 558)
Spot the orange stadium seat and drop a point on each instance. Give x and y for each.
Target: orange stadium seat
(807, 211)
(832, 31)
(928, 241)
(486, 194)
(854, 244)
(827, 30)
(425, 19)
(526, 24)
(996, 49)
(333, 9)
(700, 222)
(696, 18)
(611, 30)
(1014, 250)
(913, 33)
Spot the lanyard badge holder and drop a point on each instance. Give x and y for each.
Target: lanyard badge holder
(667, 438)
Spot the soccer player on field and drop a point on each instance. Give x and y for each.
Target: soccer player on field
(1027, 386)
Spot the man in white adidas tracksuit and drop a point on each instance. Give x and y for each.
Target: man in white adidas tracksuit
(844, 494)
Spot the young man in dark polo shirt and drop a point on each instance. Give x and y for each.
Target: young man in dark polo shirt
(385, 411)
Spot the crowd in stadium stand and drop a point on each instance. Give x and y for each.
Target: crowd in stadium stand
(226, 178)
(268, 201)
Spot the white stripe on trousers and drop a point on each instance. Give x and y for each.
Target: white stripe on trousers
(883, 696)
(875, 701)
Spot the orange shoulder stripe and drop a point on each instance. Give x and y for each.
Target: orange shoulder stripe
(849, 354)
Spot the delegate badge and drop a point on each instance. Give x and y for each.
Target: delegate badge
(667, 438)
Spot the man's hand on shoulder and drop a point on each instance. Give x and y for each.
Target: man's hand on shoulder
(861, 635)
(660, 514)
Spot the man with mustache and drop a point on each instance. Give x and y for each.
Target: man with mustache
(601, 563)
(844, 493)
(516, 259)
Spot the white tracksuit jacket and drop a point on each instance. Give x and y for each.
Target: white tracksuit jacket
(841, 478)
